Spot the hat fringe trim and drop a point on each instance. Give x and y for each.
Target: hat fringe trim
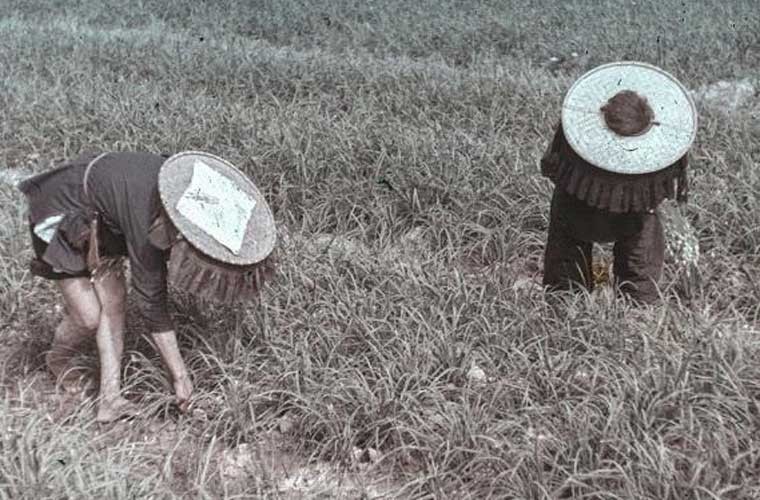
(619, 193)
(191, 271)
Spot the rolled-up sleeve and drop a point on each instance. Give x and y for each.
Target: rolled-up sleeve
(148, 267)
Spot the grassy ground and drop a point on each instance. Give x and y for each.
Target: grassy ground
(398, 146)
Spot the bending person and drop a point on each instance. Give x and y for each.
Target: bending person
(192, 219)
(619, 151)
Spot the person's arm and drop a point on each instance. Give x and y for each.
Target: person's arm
(551, 157)
(166, 344)
(682, 194)
(149, 282)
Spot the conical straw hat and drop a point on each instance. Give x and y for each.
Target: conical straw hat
(216, 208)
(670, 137)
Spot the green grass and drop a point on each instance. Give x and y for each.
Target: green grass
(44, 460)
(397, 144)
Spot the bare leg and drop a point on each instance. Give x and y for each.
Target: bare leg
(111, 291)
(67, 339)
(166, 343)
(79, 324)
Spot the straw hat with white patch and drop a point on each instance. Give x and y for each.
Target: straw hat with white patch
(668, 137)
(226, 223)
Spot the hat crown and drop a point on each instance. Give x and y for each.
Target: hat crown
(628, 114)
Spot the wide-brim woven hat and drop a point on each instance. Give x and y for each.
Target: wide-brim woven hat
(217, 208)
(674, 124)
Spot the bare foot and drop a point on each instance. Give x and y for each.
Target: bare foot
(114, 409)
(183, 388)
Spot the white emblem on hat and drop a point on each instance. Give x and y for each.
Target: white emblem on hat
(215, 204)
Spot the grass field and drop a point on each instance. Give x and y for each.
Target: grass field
(397, 144)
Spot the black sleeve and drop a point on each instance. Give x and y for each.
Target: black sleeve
(550, 159)
(148, 267)
(682, 194)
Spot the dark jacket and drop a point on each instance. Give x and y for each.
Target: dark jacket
(122, 192)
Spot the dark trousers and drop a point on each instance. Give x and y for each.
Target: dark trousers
(639, 248)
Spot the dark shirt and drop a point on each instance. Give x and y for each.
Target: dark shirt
(609, 191)
(122, 190)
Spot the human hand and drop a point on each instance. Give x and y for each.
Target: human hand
(183, 389)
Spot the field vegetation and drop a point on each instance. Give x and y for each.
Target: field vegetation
(405, 339)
